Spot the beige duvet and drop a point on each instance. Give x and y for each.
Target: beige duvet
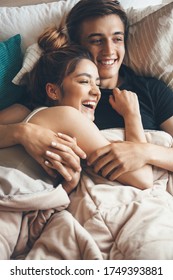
(100, 220)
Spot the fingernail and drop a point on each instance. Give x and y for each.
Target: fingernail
(69, 178)
(46, 162)
(48, 153)
(84, 156)
(53, 144)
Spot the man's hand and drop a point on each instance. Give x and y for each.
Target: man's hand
(118, 158)
(59, 151)
(124, 102)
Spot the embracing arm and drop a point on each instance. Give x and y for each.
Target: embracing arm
(31, 137)
(112, 160)
(130, 156)
(13, 114)
(126, 104)
(87, 134)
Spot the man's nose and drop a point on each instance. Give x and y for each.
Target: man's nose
(108, 47)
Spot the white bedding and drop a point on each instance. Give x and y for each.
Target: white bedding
(104, 220)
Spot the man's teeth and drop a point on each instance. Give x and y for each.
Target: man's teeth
(108, 62)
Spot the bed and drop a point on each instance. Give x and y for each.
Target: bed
(100, 220)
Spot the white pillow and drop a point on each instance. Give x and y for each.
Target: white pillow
(32, 54)
(137, 4)
(150, 42)
(30, 21)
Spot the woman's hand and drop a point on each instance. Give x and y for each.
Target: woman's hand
(45, 145)
(60, 161)
(69, 186)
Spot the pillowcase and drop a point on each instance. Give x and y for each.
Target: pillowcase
(149, 47)
(30, 21)
(31, 56)
(139, 4)
(10, 63)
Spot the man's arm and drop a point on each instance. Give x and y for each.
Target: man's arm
(37, 140)
(13, 114)
(109, 159)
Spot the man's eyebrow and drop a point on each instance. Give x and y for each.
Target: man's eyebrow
(101, 34)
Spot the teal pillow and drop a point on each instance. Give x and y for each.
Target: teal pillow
(10, 63)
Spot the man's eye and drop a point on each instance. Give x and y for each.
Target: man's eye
(118, 39)
(96, 42)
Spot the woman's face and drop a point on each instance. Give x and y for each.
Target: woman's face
(81, 88)
(104, 38)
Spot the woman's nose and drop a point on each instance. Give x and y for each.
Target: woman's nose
(95, 91)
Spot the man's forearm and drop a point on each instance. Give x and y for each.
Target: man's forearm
(134, 131)
(11, 134)
(159, 156)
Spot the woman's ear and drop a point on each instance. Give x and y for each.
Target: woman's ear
(53, 91)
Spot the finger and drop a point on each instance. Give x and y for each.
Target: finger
(78, 151)
(62, 150)
(97, 154)
(109, 168)
(53, 156)
(71, 161)
(65, 137)
(116, 173)
(60, 168)
(73, 149)
(49, 171)
(102, 162)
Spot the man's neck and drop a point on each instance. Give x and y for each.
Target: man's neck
(111, 83)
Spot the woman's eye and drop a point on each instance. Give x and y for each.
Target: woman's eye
(84, 82)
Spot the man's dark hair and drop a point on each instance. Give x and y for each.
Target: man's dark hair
(89, 9)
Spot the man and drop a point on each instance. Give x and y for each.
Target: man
(102, 27)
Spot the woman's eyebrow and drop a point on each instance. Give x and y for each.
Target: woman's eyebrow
(83, 74)
(87, 75)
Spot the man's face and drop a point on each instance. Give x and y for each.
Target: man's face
(104, 38)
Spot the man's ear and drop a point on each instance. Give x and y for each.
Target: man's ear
(53, 91)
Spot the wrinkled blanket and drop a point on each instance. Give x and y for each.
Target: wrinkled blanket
(100, 220)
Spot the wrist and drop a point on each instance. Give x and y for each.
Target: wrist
(20, 133)
(148, 153)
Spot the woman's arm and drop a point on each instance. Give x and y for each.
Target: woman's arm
(88, 137)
